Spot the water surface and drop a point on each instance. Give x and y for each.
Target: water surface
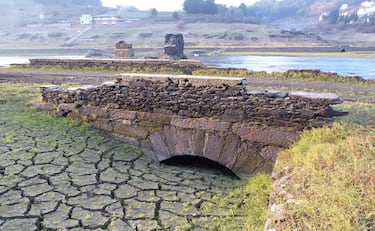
(364, 67)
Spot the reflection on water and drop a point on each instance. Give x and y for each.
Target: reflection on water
(344, 66)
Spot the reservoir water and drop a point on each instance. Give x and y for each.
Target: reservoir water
(7, 60)
(363, 67)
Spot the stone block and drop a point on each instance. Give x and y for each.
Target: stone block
(328, 97)
(198, 142)
(95, 112)
(201, 124)
(267, 135)
(179, 141)
(156, 117)
(270, 153)
(123, 53)
(159, 146)
(231, 118)
(119, 114)
(103, 124)
(131, 131)
(213, 146)
(162, 111)
(44, 106)
(113, 106)
(123, 45)
(66, 107)
(127, 122)
(248, 161)
(228, 154)
(174, 47)
(274, 136)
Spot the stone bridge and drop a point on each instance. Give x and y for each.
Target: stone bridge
(217, 118)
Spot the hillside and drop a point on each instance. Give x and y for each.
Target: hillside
(275, 9)
(20, 13)
(42, 26)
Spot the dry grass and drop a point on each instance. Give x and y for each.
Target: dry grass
(359, 113)
(332, 179)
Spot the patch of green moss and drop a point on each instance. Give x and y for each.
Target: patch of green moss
(154, 125)
(151, 126)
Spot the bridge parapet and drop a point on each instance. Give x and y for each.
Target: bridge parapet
(212, 117)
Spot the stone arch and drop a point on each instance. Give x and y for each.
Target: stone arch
(243, 148)
(215, 118)
(200, 163)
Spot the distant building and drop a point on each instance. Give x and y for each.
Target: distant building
(107, 19)
(86, 19)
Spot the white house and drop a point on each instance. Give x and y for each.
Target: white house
(86, 19)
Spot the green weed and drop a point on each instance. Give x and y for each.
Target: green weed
(9, 138)
(253, 195)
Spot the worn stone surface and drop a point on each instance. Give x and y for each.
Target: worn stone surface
(173, 47)
(201, 124)
(215, 118)
(159, 146)
(185, 98)
(267, 135)
(123, 50)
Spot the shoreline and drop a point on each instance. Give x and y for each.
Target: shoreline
(355, 52)
(350, 54)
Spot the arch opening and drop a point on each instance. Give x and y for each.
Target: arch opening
(200, 163)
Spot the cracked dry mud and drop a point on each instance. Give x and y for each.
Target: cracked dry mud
(59, 177)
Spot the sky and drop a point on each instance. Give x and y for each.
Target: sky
(166, 5)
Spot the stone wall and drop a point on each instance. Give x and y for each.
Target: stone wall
(123, 50)
(216, 118)
(186, 66)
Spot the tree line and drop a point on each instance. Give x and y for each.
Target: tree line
(200, 7)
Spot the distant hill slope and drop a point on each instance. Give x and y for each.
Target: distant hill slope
(22, 12)
(273, 9)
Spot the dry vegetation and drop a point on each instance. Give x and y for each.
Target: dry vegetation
(330, 175)
(332, 178)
